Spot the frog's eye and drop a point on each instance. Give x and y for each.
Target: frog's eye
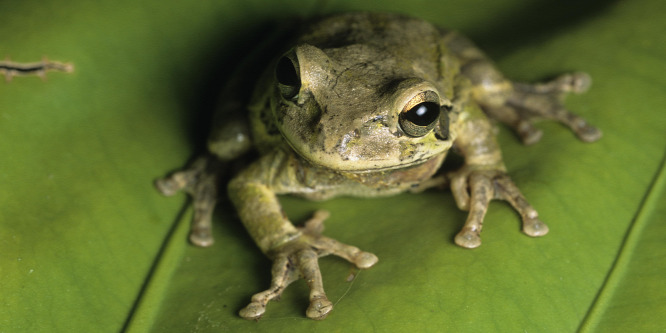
(288, 78)
(420, 115)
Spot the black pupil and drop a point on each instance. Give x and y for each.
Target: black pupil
(423, 114)
(286, 74)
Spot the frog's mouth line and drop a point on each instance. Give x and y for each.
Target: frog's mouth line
(366, 168)
(384, 169)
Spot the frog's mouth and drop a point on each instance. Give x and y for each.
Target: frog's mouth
(371, 157)
(411, 164)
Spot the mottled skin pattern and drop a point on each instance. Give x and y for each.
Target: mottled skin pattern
(367, 105)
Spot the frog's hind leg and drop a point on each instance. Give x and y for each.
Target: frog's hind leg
(519, 105)
(544, 100)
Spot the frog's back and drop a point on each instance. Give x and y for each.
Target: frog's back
(383, 30)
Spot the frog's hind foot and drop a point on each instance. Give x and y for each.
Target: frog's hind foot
(299, 258)
(200, 180)
(530, 102)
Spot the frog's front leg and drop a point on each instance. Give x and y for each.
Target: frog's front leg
(293, 250)
(201, 181)
(474, 188)
(201, 178)
(483, 178)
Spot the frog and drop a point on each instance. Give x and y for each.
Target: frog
(366, 105)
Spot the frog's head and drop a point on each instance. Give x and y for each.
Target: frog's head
(358, 109)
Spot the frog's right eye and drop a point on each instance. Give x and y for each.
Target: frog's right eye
(288, 77)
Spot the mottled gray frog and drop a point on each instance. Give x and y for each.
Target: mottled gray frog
(369, 105)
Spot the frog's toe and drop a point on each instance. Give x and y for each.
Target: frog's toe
(315, 225)
(325, 245)
(253, 311)
(365, 260)
(201, 238)
(528, 133)
(354, 255)
(468, 238)
(534, 227)
(170, 185)
(319, 308)
(284, 273)
(308, 265)
(587, 132)
(184, 179)
(578, 82)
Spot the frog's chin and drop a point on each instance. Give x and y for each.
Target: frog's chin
(410, 164)
(360, 166)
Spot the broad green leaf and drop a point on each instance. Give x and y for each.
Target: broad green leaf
(87, 244)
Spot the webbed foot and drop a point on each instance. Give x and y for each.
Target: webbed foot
(299, 258)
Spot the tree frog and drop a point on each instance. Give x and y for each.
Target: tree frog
(368, 105)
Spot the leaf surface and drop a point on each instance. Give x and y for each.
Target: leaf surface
(87, 244)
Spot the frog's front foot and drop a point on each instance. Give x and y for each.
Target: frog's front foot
(530, 102)
(473, 190)
(200, 180)
(299, 258)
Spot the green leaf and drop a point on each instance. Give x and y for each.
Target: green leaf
(87, 244)
(633, 295)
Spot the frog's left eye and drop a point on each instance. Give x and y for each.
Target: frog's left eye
(288, 77)
(420, 115)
